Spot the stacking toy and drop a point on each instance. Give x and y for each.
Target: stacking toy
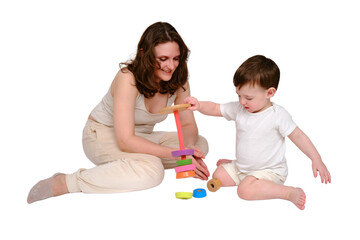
(185, 167)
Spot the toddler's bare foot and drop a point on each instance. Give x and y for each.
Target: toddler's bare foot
(298, 197)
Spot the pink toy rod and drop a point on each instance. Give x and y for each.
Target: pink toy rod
(179, 131)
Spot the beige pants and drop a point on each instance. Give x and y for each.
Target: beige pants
(118, 171)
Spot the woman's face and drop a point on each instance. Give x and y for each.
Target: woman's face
(167, 56)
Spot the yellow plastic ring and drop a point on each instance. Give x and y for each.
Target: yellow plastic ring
(183, 195)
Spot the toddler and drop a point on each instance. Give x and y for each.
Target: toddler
(260, 168)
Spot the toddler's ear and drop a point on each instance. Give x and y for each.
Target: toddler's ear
(271, 92)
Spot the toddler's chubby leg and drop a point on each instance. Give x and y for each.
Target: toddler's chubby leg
(225, 179)
(252, 188)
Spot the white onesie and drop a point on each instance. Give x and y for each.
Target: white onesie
(260, 137)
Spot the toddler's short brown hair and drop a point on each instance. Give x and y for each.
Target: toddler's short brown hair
(258, 70)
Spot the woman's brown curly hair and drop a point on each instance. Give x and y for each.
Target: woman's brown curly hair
(144, 63)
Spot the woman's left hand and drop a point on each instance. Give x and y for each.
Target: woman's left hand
(201, 171)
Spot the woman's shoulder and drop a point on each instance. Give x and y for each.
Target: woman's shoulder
(124, 79)
(126, 75)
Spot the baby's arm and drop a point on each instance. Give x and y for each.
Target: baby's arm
(207, 108)
(303, 142)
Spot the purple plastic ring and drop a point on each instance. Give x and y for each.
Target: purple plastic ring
(183, 152)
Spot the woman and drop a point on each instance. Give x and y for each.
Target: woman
(119, 138)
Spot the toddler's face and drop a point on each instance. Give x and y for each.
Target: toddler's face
(255, 98)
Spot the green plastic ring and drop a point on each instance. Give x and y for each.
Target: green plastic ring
(184, 162)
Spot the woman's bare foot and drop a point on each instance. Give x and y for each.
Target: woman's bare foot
(298, 197)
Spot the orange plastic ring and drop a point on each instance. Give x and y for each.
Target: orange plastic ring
(185, 174)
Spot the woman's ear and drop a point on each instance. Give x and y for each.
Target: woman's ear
(270, 92)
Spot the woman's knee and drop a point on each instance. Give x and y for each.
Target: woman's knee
(202, 144)
(154, 173)
(159, 173)
(139, 172)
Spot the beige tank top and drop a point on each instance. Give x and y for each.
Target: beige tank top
(144, 120)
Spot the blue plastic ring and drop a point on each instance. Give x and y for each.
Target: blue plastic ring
(199, 193)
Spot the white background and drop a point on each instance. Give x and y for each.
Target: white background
(58, 58)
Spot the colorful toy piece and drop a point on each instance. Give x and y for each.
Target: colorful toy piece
(214, 184)
(183, 152)
(185, 174)
(185, 168)
(183, 195)
(178, 107)
(199, 193)
(184, 162)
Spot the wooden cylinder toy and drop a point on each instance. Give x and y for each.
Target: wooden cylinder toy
(213, 185)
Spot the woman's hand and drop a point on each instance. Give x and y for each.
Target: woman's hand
(201, 171)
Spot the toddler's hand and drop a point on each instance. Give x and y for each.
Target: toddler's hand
(194, 103)
(319, 166)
